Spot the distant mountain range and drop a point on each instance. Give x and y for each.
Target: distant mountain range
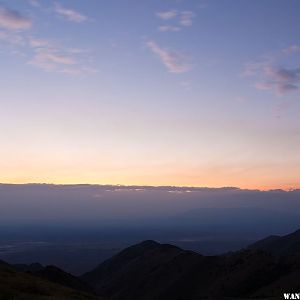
(277, 245)
(154, 271)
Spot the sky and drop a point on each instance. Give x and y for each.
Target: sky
(136, 92)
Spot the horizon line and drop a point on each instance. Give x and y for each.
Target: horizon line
(154, 186)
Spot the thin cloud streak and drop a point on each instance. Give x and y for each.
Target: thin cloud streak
(13, 20)
(11, 38)
(270, 75)
(181, 19)
(41, 52)
(168, 28)
(50, 59)
(167, 15)
(69, 14)
(174, 61)
(291, 49)
(186, 18)
(280, 80)
(38, 43)
(54, 58)
(48, 56)
(34, 3)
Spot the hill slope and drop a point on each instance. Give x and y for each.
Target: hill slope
(285, 245)
(153, 271)
(143, 272)
(16, 285)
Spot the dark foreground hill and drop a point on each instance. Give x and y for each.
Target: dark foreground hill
(280, 245)
(16, 285)
(153, 271)
(54, 274)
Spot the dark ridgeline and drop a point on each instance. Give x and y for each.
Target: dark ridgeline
(150, 270)
(32, 268)
(56, 275)
(34, 282)
(285, 245)
(154, 271)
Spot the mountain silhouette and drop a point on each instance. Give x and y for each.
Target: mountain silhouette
(153, 271)
(280, 245)
(31, 268)
(150, 270)
(18, 285)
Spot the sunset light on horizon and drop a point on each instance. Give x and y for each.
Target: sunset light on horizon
(196, 93)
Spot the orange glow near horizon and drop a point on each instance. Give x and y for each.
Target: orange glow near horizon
(147, 104)
(260, 188)
(158, 180)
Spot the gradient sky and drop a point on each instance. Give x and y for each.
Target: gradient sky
(173, 92)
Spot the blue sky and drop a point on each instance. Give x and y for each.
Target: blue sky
(195, 93)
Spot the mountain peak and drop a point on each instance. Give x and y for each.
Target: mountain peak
(147, 244)
(280, 245)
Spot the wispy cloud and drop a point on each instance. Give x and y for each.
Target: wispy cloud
(279, 79)
(34, 3)
(174, 61)
(271, 75)
(186, 18)
(167, 15)
(13, 20)
(51, 59)
(55, 58)
(291, 49)
(69, 14)
(285, 79)
(176, 19)
(11, 38)
(38, 43)
(79, 71)
(168, 28)
(47, 55)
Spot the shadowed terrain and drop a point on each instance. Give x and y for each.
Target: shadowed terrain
(47, 284)
(150, 270)
(280, 245)
(153, 271)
